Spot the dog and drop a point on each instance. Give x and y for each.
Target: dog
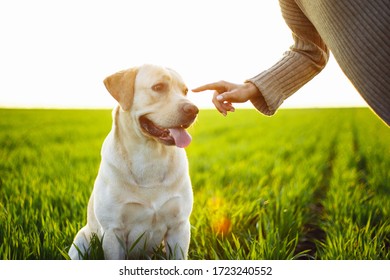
(142, 196)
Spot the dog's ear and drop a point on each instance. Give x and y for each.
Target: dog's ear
(121, 86)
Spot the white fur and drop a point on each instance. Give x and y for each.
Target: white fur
(143, 186)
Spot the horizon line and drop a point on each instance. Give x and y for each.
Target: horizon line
(200, 107)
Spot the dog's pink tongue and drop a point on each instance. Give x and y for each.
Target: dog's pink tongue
(181, 136)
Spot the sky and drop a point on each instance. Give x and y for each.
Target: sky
(56, 54)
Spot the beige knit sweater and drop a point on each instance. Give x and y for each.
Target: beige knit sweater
(358, 34)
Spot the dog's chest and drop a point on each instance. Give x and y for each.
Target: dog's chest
(152, 213)
(151, 219)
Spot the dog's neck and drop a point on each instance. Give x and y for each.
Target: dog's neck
(148, 160)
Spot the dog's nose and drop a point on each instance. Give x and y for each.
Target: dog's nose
(190, 109)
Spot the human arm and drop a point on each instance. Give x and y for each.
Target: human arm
(267, 91)
(302, 62)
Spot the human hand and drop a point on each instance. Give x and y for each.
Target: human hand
(226, 93)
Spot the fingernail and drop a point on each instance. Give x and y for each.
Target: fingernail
(219, 97)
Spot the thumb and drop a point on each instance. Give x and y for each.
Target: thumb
(229, 96)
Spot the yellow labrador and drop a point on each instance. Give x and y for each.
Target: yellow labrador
(143, 190)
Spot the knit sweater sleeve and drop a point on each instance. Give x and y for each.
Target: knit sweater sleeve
(305, 59)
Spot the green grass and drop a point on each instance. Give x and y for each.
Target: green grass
(311, 183)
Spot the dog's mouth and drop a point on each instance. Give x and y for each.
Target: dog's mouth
(169, 136)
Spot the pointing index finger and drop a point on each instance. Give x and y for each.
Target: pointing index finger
(213, 86)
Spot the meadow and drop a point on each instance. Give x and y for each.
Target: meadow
(304, 184)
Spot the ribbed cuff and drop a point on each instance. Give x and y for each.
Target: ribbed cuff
(270, 97)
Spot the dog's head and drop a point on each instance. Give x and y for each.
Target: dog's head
(156, 99)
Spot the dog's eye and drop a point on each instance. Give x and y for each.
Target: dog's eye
(185, 91)
(159, 87)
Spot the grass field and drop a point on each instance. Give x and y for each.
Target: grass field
(311, 183)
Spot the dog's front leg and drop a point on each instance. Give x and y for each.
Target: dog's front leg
(80, 245)
(177, 241)
(113, 249)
